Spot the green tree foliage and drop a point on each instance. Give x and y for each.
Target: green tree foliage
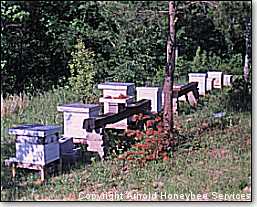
(230, 19)
(239, 96)
(127, 38)
(195, 28)
(82, 71)
(200, 61)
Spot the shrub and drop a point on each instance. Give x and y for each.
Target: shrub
(158, 78)
(183, 66)
(151, 140)
(82, 72)
(232, 65)
(239, 97)
(200, 61)
(236, 64)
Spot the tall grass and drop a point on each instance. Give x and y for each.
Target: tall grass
(41, 108)
(25, 109)
(216, 159)
(13, 104)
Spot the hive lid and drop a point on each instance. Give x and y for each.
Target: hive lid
(149, 88)
(214, 72)
(78, 107)
(115, 85)
(197, 74)
(35, 130)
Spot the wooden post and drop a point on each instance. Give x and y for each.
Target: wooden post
(169, 71)
(60, 165)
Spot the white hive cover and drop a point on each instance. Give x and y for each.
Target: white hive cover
(114, 85)
(77, 107)
(35, 130)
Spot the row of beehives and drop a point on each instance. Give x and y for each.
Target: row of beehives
(211, 79)
(39, 145)
(116, 96)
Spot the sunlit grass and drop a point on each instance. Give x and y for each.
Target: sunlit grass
(214, 159)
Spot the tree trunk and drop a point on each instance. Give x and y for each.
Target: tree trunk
(247, 41)
(169, 71)
(246, 67)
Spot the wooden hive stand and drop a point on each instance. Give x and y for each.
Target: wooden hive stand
(14, 164)
(189, 92)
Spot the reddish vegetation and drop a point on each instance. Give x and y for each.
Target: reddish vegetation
(121, 96)
(135, 118)
(150, 123)
(151, 140)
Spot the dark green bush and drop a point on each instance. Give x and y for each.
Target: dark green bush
(239, 97)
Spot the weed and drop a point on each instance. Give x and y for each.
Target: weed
(213, 155)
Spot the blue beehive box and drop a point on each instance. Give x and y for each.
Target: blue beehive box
(36, 143)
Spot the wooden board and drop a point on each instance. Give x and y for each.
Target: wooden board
(14, 164)
(110, 118)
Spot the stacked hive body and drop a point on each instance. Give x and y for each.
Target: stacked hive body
(201, 79)
(227, 80)
(209, 84)
(152, 93)
(36, 144)
(116, 96)
(218, 78)
(37, 147)
(74, 116)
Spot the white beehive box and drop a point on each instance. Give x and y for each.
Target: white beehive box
(114, 89)
(201, 79)
(182, 98)
(74, 115)
(218, 78)
(151, 93)
(209, 84)
(95, 143)
(112, 102)
(227, 80)
(114, 106)
(36, 144)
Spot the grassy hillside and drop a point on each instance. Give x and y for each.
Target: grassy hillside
(214, 158)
